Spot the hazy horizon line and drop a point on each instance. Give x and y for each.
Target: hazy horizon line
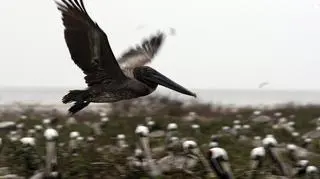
(197, 89)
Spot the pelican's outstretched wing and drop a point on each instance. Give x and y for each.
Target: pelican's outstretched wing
(142, 54)
(88, 44)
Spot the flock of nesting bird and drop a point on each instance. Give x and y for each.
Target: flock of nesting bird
(163, 152)
(108, 79)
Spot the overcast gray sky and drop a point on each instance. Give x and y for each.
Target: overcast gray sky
(219, 43)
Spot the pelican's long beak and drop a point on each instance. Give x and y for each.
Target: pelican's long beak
(156, 77)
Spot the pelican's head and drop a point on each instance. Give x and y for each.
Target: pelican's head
(28, 141)
(51, 134)
(291, 147)
(258, 152)
(142, 131)
(153, 78)
(172, 127)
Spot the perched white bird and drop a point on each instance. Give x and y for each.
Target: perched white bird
(142, 130)
(191, 116)
(269, 135)
(219, 152)
(256, 113)
(236, 122)
(295, 134)
(277, 114)
(51, 154)
(225, 128)
(189, 144)
(138, 152)
(257, 152)
(79, 138)
(74, 134)
(291, 123)
(237, 126)
(303, 163)
(121, 136)
(246, 126)
(90, 139)
(103, 114)
(173, 138)
(13, 133)
(28, 141)
(150, 123)
(308, 140)
(38, 127)
(104, 119)
(291, 147)
(23, 117)
(257, 156)
(50, 134)
(219, 161)
(311, 169)
(31, 132)
(269, 140)
(20, 125)
(46, 121)
(283, 120)
(172, 126)
(195, 126)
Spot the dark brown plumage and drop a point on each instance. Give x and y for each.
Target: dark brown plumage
(108, 80)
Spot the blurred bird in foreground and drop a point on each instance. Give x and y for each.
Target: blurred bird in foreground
(108, 79)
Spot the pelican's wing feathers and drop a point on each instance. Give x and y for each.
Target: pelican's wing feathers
(142, 54)
(88, 44)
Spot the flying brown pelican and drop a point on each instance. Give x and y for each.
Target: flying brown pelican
(108, 80)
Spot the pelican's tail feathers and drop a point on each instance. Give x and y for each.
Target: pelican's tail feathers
(75, 95)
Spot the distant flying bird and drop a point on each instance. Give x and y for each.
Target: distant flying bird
(172, 31)
(261, 85)
(140, 27)
(108, 80)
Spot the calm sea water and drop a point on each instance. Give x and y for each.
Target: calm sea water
(233, 97)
